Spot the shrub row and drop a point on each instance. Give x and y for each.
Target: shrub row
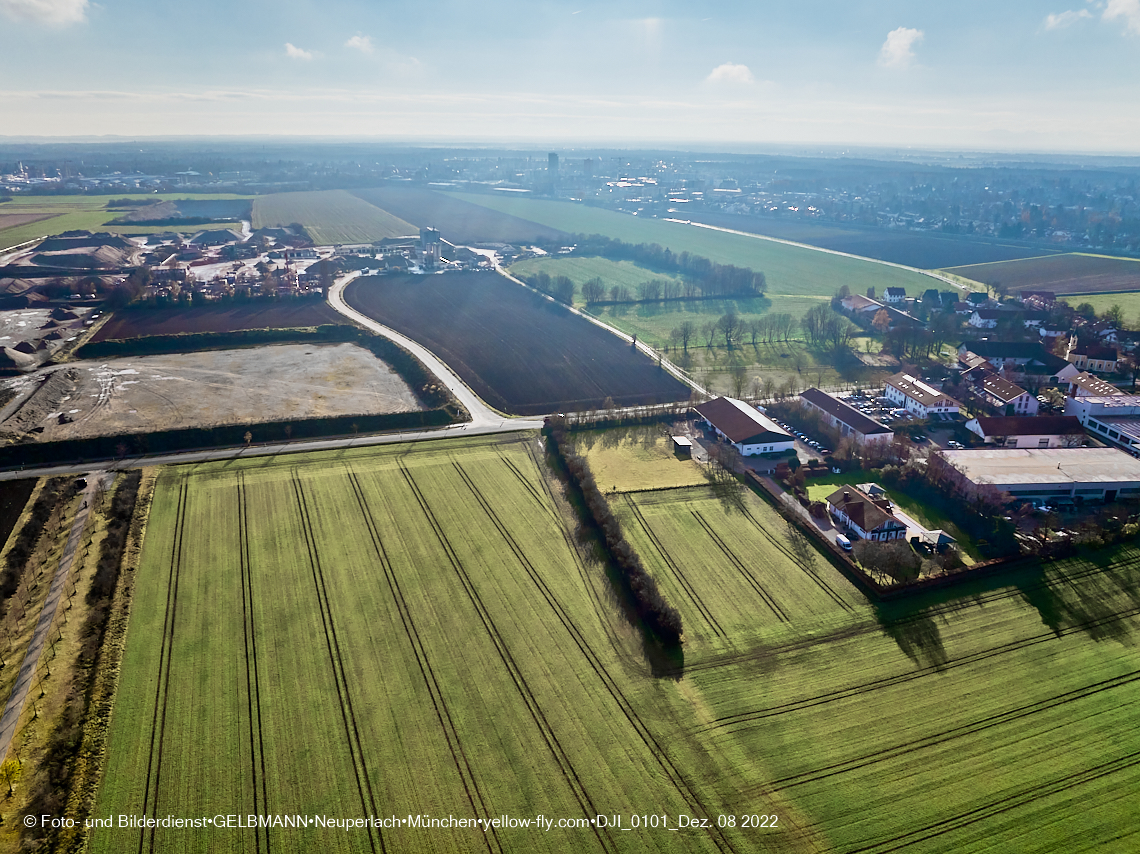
(49, 797)
(54, 491)
(650, 604)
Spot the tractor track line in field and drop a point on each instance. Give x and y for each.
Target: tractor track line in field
(512, 667)
(252, 682)
(419, 649)
(158, 724)
(732, 659)
(581, 793)
(741, 568)
(902, 678)
(528, 486)
(665, 556)
(942, 738)
(340, 678)
(827, 588)
(994, 808)
(658, 752)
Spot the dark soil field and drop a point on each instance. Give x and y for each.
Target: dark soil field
(520, 352)
(924, 251)
(1062, 274)
(14, 495)
(457, 221)
(11, 220)
(143, 322)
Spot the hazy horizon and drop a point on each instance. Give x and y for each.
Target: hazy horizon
(965, 76)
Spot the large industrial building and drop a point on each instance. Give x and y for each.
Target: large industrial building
(1089, 474)
(1111, 418)
(848, 420)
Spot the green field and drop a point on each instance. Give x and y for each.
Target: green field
(636, 458)
(67, 213)
(415, 630)
(790, 270)
(329, 216)
(580, 270)
(1129, 303)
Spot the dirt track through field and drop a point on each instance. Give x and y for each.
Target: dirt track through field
(19, 695)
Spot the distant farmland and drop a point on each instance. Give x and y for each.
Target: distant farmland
(1062, 274)
(458, 221)
(520, 352)
(144, 322)
(925, 250)
(329, 216)
(791, 270)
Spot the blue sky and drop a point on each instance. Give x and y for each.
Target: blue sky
(1041, 76)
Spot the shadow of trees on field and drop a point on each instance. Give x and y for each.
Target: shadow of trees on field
(915, 629)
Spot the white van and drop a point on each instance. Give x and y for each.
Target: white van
(843, 542)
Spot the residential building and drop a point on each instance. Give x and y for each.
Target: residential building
(1087, 474)
(743, 426)
(1085, 384)
(848, 420)
(894, 296)
(1006, 397)
(985, 318)
(1043, 431)
(866, 517)
(914, 395)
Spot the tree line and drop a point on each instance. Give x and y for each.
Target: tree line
(700, 276)
(649, 602)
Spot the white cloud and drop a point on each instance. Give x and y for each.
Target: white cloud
(1065, 19)
(294, 52)
(898, 49)
(1129, 10)
(731, 72)
(46, 11)
(360, 43)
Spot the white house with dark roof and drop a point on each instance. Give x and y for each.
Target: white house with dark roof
(1009, 398)
(867, 517)
(914, 395)
(744, 427)
(1042, 431)
(1085, 384)
(848, 420)
(894, 295)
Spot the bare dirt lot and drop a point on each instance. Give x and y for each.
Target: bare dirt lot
(149, 393)
(1062, 274)
(11, 220)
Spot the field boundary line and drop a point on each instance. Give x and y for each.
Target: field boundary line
(680, 576)
(166, 654)
(340, 679)
(627, 709)
(419, 649)
(768, 599)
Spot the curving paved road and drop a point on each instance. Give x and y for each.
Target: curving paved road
(481, 414)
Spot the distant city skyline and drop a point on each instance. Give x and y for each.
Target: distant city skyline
(1017, 76)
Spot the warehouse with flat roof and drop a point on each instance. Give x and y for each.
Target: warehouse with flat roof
(1091, 474)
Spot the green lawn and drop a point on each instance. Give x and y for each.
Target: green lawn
(636, 458)
(415, 629)
(790, 270)
(580, 270)
(1129, 303)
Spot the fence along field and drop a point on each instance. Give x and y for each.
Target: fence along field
(520, 352)
(1062, 274)
(409, 631)
(329, 216)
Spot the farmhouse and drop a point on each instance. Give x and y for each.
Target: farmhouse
(848, 420)
(986, 318)
(894, 295)
(913, 395)
(869, 518)
(1043, 431)
(1087, 474)
(744, 427)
